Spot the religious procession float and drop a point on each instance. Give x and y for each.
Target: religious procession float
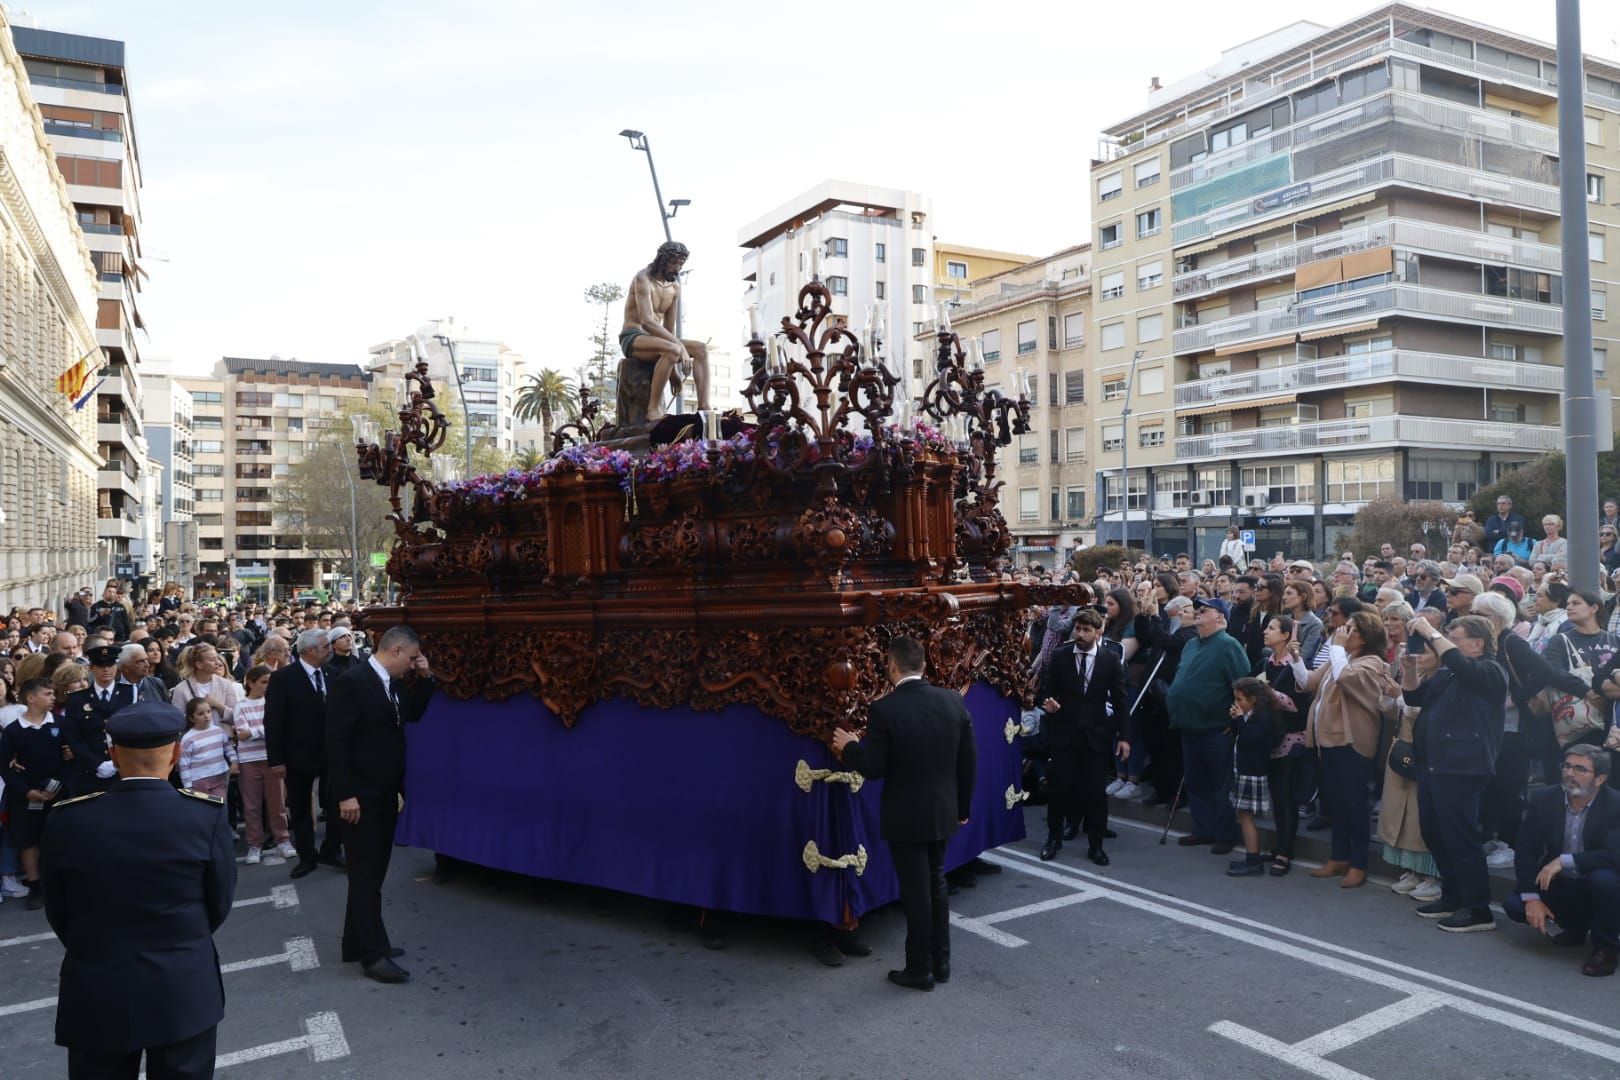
(645, 643)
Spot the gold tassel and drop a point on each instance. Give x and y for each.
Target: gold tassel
(1014, 796)
(814, 860)
(806, 777)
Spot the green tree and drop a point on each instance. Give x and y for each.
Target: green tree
(544, 395)
(1389, 520)
(487, 456)
(1537, 489)
(528, 458)
(601, 369)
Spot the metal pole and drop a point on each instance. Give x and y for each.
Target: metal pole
(663, 212)
(461, 388)
(1580, 396)
(1125, 459)
(354, 528)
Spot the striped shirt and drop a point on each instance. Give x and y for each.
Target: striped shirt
(203, 753)
(250, 716)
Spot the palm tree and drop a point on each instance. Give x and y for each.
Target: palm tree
(528, 458)
(543, 395)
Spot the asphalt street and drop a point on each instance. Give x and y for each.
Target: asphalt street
(1156, 966)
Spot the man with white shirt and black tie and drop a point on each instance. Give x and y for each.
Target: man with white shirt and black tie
(1083, 695)
(84, 723)
(295, 747)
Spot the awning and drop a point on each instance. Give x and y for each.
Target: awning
(1335, 331)
(1276, 223)
(1367, 263)
(1233, 406)
(1312, 275)
(1255, 346)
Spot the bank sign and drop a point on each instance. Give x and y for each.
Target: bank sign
(1285, 197)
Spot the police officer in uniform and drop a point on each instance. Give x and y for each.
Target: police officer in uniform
(84, 721)
(137, 879)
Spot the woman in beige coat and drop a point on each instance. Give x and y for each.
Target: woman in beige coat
(1398, 814)
(1343, 726)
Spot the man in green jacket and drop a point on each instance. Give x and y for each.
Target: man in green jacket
(1200, 702)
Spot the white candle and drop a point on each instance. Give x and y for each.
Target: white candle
(944, 317)
(975, 357)
(815, 262)
(753, 321)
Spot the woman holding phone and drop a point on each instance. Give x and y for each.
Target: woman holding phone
(1296, 604)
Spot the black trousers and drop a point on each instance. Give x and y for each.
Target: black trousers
(188, 1059)
(1448, 816)
(301, 817)
(921, 870)
(1281, 775)
(1344, 795)
(1585, 903)
(369, 844)
(1503, 807)
(1077, 787)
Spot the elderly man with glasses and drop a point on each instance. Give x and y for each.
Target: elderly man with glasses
(1427, 587)
(1568, 861)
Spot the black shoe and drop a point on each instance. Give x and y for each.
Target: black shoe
(303, 869)
(336, 862)
(712, 938)
(824, 950)
(1049, 852)
(36, 897)
(850, 945)
(1070, 832)
(910, 981)
(444, 869)
(1601, 962)
(1467, 922)
(1317, 824)
(1440, 909)
(1569, 937)
(1110, 834)
(942, 973)
(1098, 856)
(352, 957)
(386, 971)
(1192, 840)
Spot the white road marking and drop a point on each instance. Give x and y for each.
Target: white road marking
(1284, 1052)
(1331, 957)
(974, 926)
(323, 1038)
(27, 939)
(27, 1006)
(1335, 1039)
(280, 897)
(1037, 908)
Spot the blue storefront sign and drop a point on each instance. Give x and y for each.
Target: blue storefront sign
(1287, 196)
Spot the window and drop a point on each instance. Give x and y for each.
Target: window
(1113, 336)
(1372, 406)
(1217, 483)
(209, 446)
(207, 423)
(957, 270)
(1596, 246)
(1280, 483)
(1108, 236)
(1506, 414)
(1052, 392)
(1600, 360)
(1114, 388)
(1147, 172)
(1113, 285)
(1057, 504)
(1054, 458)
(211, 495)
(1148, 223)
(1594, 130)
(919, 257)
(1074, 330)
(1110, 186)
(837, 247)
(990, 345)
(1077, 504)
(838, 286)
(208, 470)
(295, 423)
(293, 401)
(1029, 449)
(1594, 187)
(1149, 275)
(1600, 305)
(880, 252)
(1029, 504)
(1026, 337)
(1074, 444)
(1150, 328)
(1153, 436)
(1051, 337)
(1074, 387)
(207, 397)
(880, 290)
(1524, 285)
(1150, 381)
(1444, 479)
(919, 294)
(1113, 438)
(1034, 389)
(1138, 492)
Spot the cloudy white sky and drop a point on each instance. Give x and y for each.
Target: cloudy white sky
(321, 176)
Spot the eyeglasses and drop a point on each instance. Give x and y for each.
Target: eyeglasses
(1569, 767)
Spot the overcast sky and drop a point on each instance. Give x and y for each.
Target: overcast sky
(323, 176)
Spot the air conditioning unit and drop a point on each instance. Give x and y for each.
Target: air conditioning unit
(1199, 498)
(1254, 500)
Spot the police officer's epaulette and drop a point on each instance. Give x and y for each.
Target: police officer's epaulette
(203, 795)
(78, 799)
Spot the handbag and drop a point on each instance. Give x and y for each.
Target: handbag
(1403, 759)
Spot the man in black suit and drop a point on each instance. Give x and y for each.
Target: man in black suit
(137, 879)
(919, 742)
(1567, 859)
(365, 758)
(1083, 695)
(295, 747)
(84, 722)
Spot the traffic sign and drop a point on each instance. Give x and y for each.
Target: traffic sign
(1247, 535)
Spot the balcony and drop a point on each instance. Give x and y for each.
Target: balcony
(1403, 233)
(114, 523)
(1370, 367)
(1283, 198)
(1374, 431)
(1371, 304)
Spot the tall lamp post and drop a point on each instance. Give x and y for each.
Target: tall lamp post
(354, 519)
(638, 141)
(1125, 461)
(461, 388)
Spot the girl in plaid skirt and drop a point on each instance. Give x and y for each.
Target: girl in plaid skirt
(1258, 731)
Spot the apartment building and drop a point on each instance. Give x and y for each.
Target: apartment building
(1030, 320)
(492, 374)
(957, 268)
(1332, 265)
(82, 89)
(48, 454)
(251, 420)
(166, 415)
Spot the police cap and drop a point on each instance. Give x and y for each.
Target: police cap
(145, 725)
(102, 656)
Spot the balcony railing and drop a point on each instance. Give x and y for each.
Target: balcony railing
(1372, 367)
(1370, 431)
(1358, 305)
(1466, 63)
(1363, 176)
(76, 84)
(1403, 233)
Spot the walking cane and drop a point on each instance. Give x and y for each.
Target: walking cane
(1173, 804)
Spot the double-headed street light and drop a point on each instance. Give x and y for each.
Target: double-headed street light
(638, 141)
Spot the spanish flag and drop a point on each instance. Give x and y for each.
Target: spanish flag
(72, 381)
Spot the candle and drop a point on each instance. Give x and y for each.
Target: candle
(904, 416)
(815, 262)
(711, 425)
(944, 317)
(781, 360)
(975, 356)
(753, 322)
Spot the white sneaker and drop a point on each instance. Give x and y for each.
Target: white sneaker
(1493, 845)
(252, 857)
(10, 886)
(1427, 892)
(1500, 859)
(286, 850)
(1113, 788)
(1127, 790)
(1408, 882)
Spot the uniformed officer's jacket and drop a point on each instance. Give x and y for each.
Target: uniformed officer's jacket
(136, 882)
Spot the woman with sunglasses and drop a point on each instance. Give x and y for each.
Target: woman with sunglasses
(1609, 548)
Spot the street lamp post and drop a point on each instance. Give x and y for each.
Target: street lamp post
(354, 523)
(1125, 460)
(461, 388)
(638, 141)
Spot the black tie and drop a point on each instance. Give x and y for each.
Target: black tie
(393, 696)
(320, 684)
(1085, 662)
(106, 697)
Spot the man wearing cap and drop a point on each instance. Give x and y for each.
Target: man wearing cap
(341, 639)
(84, 722)
(1200, 703)
(137, 879)
(1499, 524)
(1460, 593)
(1515, 543)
